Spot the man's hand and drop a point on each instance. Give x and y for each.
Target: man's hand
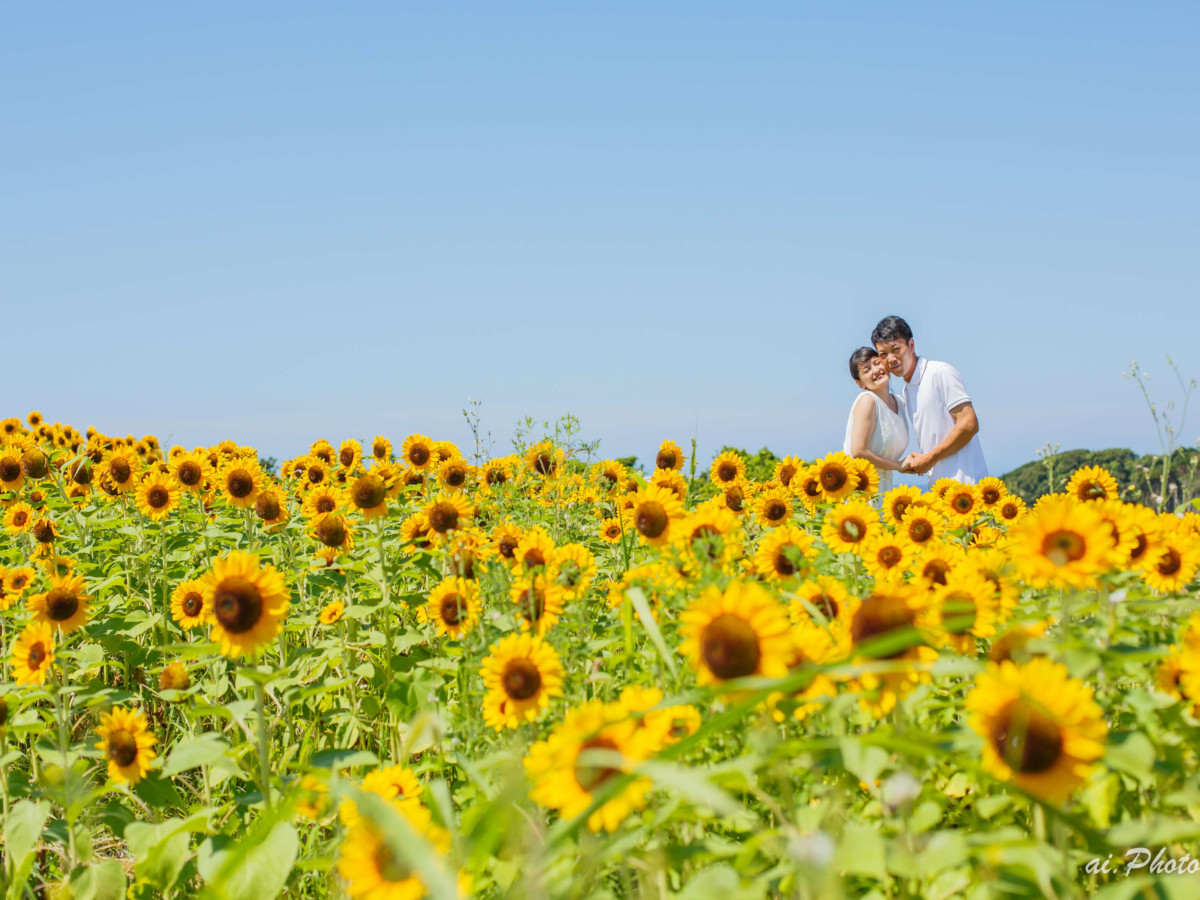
(917, 463)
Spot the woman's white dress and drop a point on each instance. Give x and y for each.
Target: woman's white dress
(890, 437)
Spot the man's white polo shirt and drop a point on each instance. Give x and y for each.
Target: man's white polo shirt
(935, 389)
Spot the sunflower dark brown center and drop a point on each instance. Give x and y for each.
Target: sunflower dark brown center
(189, 473)
(735, 499)
(158, 497)
(775, 510)
(890, 556)
(35, 463)
(346, 457)
(1139, 547)
(665, 459)
(521, 678)
(496, 476)
(192, 605)
(418, 455)
(506, 546)
(920, 530)
(456, 476)
(729, 647)
(1092, 490)
(20, 517)
(727, 471)
(935, 570)
(834, 478)
(590, 777)
(61, 604)
(878, 617)
(1169, 563)
(900, 507)
(326, 504)
(368, 491)
(43, 530)
(331, 531)
(532, 603)
(1063, 546)
(827, 605)
(122, 747)
(19, 582)
(781, 561)
(963, 502)
(390, 869)
(237, 604)
(544, 464)
(443, 517)
(37, 655)
(239, 483)
(267, 506)
(10, 468)
(1029, 741)
(451, 609)
(316, 475)
(991, 495)
(650, 519)
(852, 529)
(119, 471)
(1009, 511)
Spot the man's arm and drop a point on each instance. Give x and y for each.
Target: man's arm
(966, 426)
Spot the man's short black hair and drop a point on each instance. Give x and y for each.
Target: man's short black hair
(891, 328)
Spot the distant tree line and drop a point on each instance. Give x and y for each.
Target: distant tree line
(1140, 477)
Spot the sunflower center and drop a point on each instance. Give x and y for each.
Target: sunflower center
(61, 604)
(1169, 563)
(239, 483)
(326, 504)
(833, 478)
(1139, 548)
(37, 655)
(920, 531)
(1063, 546)
(889, 556)
(43, 530)
(418, 455)
(456, 476)
(20, 518)
(963, 503)
(1029, 741)
(650, 519)
(900, 507)
(35, 463)
(786, 474)
(727, 471)
(443, 517)
(81, 472)
(316, 475)
(158, 497)
(729, 647)
(876, 618)
(521, 679)
(389, 867)
(826, 604)
(368, 491)
(331, 531)
(591, 777)
(119, 470)
(543, 464)
(451, 609)
(507, 546)
(10, 468)
(532, 603)
(775, 510)
(782, 562)
(192, 604)
(991, 495)
(569, 574)
(665, 459)
(496, 476)
(1092, 490)
(1008, 511)
(237, 604)
(735, 499)
(346, 457)
(852, 529)
(267, 507)
(18, 583)
(462, 564)
(122, 748)
(935, 570)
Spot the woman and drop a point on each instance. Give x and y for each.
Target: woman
(877, 430)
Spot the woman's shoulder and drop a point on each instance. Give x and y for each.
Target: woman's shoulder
(862, 401)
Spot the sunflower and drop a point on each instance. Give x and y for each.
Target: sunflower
(33, 654)
(828, 599)
(18, 518)
(119, 470)
(991, 491)
(611, 531)
(608, 474)
(1144, 524)
(415, 533)
(35, 463)
(787, 469)
(1092, 483)
(994, 565)
(727, 468)
(887, 556)
(962, 503)
(368, 493)
(849, 526)
(271, 506)
(1174, 563)
(885, 627)
(447, 512)
(376, 868)
(522, 672)
(15, 582)
(174, 677)
(494, 473)
(837, 476)
(64, 605)
(453, 606)
(1041, 728)
(539, 602)
(248, 603)
(188, 605)
(935, 562)
(710, 534)
(45, 532)
(544, 459)
(453, 474)
(240, 481)
(733, 497)
(735, 633)
(381, 449)
(773, 507)
(332, 612)
(567, 774)
(784, 553)
(806, 486)
(398, 783)
(125, 741)
(654, 510)
(12, 476)
(963, 609)
(669, 456)
(156, 496)
(921, 526)
(1062, 542)
(572, 567)
(333, 531)
(322, 500)
(868, 478)
(1013, 644)
(349, 454)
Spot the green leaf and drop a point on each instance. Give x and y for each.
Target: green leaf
(240, 870)
(720, 882)
(343, 759)
(205, 750)
(638, 599)
(103, 881)
(1133, 754)
(22, 831)
(161, 850)
(862, 851)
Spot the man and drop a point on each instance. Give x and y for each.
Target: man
(940, 408)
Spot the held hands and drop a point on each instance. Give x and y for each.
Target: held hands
(917, 463)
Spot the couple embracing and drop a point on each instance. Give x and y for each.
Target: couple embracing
(933, 399)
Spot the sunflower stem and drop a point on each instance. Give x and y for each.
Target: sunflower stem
(264, 747)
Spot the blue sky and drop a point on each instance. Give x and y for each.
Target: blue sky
(276, 222)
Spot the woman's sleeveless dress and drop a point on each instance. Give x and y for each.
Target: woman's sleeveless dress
(890, 437)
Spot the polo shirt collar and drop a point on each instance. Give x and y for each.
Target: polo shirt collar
(918, 372)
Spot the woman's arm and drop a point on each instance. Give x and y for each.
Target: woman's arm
(861, 428)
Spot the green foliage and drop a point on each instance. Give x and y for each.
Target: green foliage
(1139, 477)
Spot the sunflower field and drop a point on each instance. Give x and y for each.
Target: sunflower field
(390, 672)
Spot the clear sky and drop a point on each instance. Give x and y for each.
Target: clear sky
(274, 222)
